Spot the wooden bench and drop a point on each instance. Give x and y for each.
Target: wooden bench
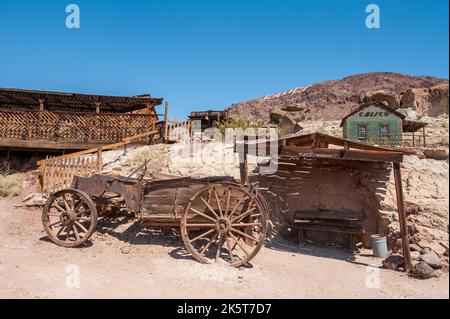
(329, 221)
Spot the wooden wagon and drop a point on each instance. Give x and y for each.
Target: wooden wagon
(219, 219)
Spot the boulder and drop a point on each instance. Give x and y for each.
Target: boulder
(391, 99)
(393, 262)
(415, 255)
(432, 259)
(422, 270)
(430, 101)
(34, 200)
(440, 154)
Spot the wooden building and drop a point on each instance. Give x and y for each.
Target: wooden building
(57, 121)
(377, 124)
(208, 118)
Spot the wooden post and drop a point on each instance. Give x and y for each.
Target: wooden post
(244, 166)
(414, 139)
(41, 104)
(402, 216)
(97, 107)
(166, 118)
(423, 133)
(99, 160)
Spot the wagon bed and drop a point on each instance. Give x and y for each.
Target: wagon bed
(218, 218)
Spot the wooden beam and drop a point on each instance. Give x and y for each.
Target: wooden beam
(402, 216)
(166, 118)
(358, 155)
(423, 134)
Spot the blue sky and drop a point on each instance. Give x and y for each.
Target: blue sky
(207, 54)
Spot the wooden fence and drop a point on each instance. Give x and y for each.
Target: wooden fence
(178, 130)
(56, 173)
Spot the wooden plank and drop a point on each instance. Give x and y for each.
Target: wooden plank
(402, 216)
(334, 215)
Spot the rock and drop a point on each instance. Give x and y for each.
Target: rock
(430, 101)
(125, 250)
(415, 247)
(393, 262)
(415, 255)
(432, 259)
(445, 246)
(422, 270)
(34, 200)
(438, 273)
(436, 153)
(391, 99)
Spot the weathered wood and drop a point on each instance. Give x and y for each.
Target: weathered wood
(333, 215)
(402, 216)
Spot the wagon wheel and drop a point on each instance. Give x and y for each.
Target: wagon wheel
(69, 217)
(224, 222)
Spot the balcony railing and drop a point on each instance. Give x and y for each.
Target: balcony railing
(75, 127)
(407, 140)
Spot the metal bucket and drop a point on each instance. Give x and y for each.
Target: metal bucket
(379, 245)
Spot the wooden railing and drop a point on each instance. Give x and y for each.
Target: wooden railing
(56, 173)
(178, 130)
(73, 126)
(407, 140)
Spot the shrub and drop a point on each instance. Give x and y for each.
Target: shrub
(11, 185)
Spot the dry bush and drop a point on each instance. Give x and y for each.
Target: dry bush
(11, 185)
(157, 158)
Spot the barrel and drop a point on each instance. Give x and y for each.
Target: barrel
(379, 245)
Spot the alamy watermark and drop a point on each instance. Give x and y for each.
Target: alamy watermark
(373, 20)
(73, 276)
(73, 17)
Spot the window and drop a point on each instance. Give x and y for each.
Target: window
(384, 131)
(362, 132)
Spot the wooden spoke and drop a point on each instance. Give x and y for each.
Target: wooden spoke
(228, 200)
(243, 215)
(54, 224)
(245, 235)
(211, 240)
(202, 235)
(203, 215)
(69, 229)
(237, 205)
(201, 225)
(61, 230)
(75, 230)
(239, 244)
(58, 207)
(219, 247)
(54, 215)
(218, 202)
(230, 249)
(209, 207)
(245, 224)
(81, 226)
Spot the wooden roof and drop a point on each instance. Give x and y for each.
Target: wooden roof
(413, 126)
(322, 146)
(376, 103)
(208, 114)
(29, 99)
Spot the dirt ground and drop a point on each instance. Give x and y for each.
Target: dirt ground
(125, 262)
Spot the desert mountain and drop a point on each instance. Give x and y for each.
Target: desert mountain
(332, 100)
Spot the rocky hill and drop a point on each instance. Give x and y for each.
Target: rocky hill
(332, 100)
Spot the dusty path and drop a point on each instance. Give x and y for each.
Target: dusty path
(123, 262)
